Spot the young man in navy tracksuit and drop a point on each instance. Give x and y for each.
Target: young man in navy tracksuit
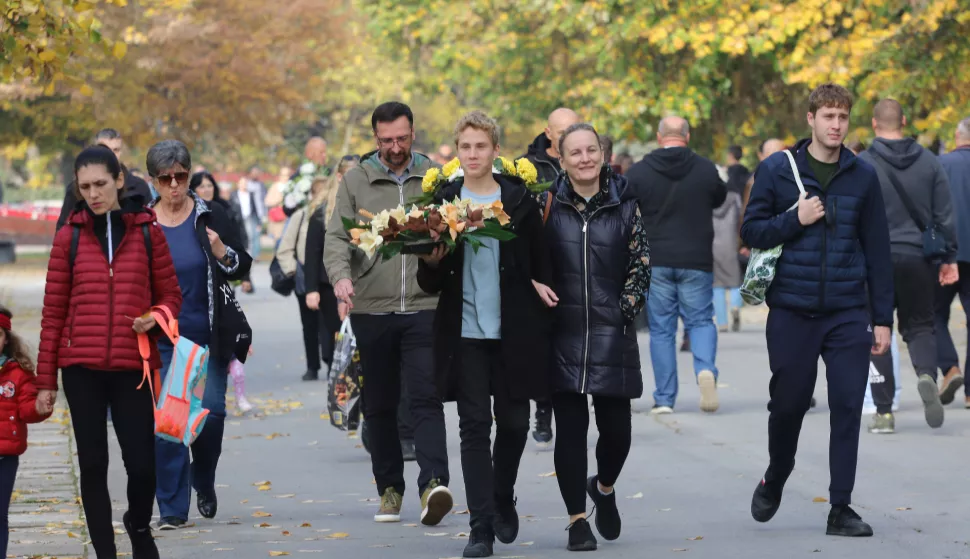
(832, 297)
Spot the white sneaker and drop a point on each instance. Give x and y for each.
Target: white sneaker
(661, 410)
(708, 386)
(243, 404)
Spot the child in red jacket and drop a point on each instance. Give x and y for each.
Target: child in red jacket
(18, 401)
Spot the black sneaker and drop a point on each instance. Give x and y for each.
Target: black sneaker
(142, 540)
(167, 523)
(506, 520)
(311, 375)
(543, 431)
(207, 504)
(479, 543)
(766, 500)
(843, 521)
(581, 536)
(408, 451)
(607, 515)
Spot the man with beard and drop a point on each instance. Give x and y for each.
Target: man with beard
(544, 155)
(392, 319)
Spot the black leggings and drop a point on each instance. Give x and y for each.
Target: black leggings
(319, 328)
(613, 421)
(8, 475)
(89, 393)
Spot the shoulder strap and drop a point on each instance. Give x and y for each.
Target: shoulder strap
(798, 177)
(903, 195)
(148, 251)
(548, 208)
(75, 239)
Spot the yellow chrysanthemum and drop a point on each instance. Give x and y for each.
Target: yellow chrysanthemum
(527, 171)
(507, 166)
(451, 168)
(430, 179)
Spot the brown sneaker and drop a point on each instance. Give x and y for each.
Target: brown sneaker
(436, 503)
(390, 510)
(952, 381)
(967, 405)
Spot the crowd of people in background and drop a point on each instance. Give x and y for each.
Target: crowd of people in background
(549, 317)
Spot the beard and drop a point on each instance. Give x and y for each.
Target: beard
(395, 158)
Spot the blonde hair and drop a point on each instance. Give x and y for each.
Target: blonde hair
(479, 121)
(329, 193)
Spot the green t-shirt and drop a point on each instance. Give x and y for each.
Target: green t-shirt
(823, 171)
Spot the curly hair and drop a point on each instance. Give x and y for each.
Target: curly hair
(15, 348)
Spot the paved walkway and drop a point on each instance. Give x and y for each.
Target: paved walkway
(291, 484)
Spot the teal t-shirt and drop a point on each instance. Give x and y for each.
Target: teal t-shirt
(481, 316)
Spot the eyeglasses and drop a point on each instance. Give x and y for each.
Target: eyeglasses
(400, 140)
(180, 178)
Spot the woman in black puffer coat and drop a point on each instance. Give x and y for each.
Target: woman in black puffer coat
(600, 273)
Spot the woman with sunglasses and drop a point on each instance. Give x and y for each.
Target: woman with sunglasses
(207, 252)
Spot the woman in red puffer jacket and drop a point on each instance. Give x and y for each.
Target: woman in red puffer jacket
(107, 268)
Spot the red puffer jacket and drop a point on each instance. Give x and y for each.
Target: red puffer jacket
(88, 312)
(18, 397)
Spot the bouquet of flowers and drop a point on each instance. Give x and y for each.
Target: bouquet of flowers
(420, 229)
(296, 192)
(435, 178)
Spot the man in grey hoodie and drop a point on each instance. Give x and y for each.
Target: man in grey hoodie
(919, 174)
(957, 167)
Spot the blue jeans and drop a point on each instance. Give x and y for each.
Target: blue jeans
(720, 309)
(688, 294)
(173, 471)
(254, 227)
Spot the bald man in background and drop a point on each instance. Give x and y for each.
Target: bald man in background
(679, 191)
(544, 154)
(916, 194)
(544, 150)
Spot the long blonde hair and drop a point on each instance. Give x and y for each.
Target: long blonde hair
(328, 194)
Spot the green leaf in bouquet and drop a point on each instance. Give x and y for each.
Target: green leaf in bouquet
(473, 242)
(426, 198)
(493, 230)
(539, 187)
(390, 250)
(350, 224)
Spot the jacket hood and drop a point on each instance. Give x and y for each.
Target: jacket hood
(539, 146)
(673, 163)
(901, 154)
(619, 189)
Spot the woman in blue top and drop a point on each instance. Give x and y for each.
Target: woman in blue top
(207, 253)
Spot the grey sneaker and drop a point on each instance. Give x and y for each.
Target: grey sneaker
(390, 510)
(882, 424)
(932, 407)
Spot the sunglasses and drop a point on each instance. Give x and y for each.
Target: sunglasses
(180, 178)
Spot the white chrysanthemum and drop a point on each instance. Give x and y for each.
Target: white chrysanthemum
(308, 168)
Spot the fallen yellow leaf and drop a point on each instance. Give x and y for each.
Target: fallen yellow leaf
(549, 474)
(306, 525)
(637, 496)
(263, 525)
(278, 553)
(695, 539)
(337, 536)
(325, 416)
(258, 483)
(904, 508)
(286, 533)
(266, 487)
(820, 500)
(261, 514)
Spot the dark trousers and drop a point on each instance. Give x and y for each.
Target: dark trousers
(946, 352)
(314, 340)
(329, 322)
(8, 475)
(916, 283)
(488, 474)
(393, 347)
(795, 342)
(89, 393)
(614, 423)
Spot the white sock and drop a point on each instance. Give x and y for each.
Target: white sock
(601, 491)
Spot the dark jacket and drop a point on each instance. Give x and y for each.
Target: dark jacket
(737, 175)
(547, 166)
(920, 173)
(956, 164)
(828, 266)
(89, 309)
(231, 207)
(135, 189)
(221, 347)
(683, 235)
(314, 273)
(525, 321)
(594, 347)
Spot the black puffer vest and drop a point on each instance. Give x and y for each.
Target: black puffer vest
(594, 349)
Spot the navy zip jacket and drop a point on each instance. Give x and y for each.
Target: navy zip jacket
(840, 262)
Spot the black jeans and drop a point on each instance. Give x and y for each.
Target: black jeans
(329, 322)
(8, 475)
(946, 352)
(481, 376)
(391, 347)
(89, 393)
(613, 421)
(318, 331)
(915, 280)
(795, 342)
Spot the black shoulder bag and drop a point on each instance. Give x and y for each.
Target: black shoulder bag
(934, 245)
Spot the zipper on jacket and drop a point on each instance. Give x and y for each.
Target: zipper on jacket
(825, 238)
(404, 258)
(111, 312)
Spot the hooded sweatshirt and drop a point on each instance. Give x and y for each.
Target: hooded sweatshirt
(547, 166)
(682, 236)
(923, 178)
(957, 167)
